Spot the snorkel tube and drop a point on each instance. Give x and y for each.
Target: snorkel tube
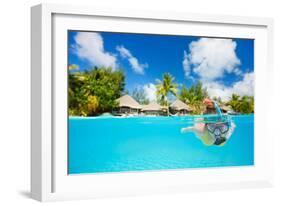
(218, 110)
(219, 129)
(213, 128)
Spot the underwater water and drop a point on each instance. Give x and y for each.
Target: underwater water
(112, 144)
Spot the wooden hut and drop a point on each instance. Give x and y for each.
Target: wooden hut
(127, 105)
(180, 108)
(152, 109)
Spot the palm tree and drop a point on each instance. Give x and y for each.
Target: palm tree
(234, 102)
(194, 97)
(164, 88)
(243, 105)
(247, 105)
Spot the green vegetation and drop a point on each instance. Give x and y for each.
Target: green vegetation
(139, 95)
(164, 88)
(243, 105)
(73, 67)
(95, 91)
(194, 97)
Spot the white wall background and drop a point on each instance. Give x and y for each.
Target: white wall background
(15, 95)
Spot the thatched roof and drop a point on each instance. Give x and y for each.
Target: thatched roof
(225, 108)
(153, 106)
(128, 101)
(179, 105)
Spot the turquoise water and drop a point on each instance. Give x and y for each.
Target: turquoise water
(110, 144)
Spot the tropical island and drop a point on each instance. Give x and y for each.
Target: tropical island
(133, 101)
(101, 90)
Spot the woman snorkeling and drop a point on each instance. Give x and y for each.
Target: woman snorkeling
(213, 128)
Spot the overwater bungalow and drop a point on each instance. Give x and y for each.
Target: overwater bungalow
(127, 105)
(225, 109)
(152, 109)
(228, 110)
(180, 108)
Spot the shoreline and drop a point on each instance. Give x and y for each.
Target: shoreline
(126, 117)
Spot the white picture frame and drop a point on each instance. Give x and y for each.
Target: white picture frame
(49, 179)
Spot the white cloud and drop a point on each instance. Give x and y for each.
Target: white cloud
(238, 72)
(89, 46)
(150, 91)
(243, 87)
(136, 66)
(186, 65)
(211, 58)
(246, 86)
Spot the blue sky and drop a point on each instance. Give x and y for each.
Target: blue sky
(225, 66)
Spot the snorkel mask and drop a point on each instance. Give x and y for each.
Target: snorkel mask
(218, 125)
(218, 131)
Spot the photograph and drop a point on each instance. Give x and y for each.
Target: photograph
(142, 102)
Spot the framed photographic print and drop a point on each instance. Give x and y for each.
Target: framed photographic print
(134, 102)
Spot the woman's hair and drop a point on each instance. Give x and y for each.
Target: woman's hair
(210, 110)
(210, 107)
